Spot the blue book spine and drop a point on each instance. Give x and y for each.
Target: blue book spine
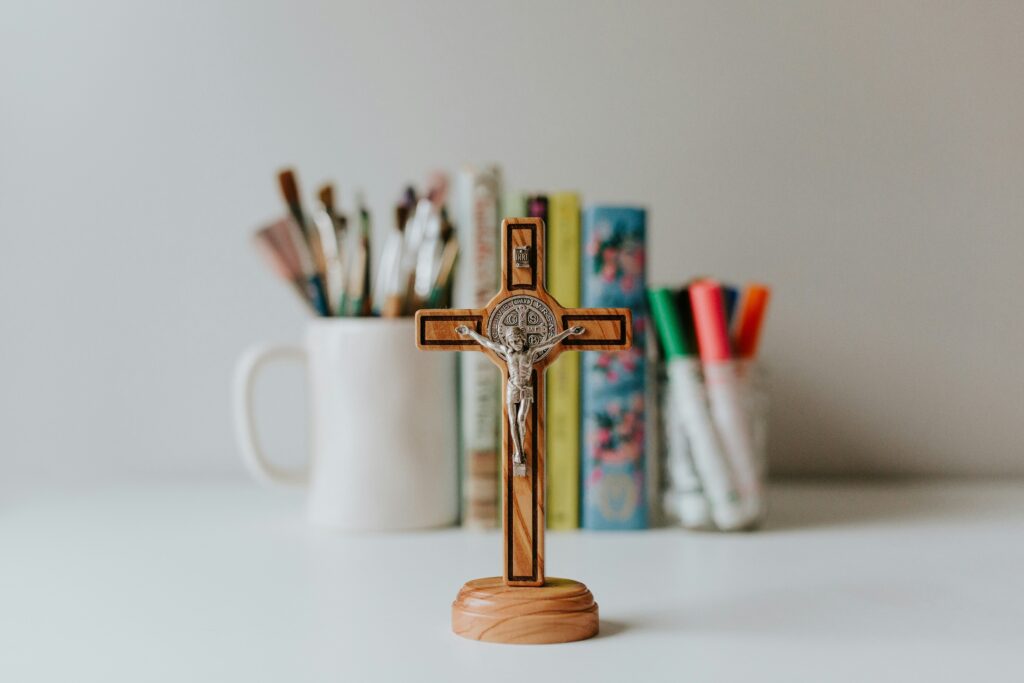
(613, 383)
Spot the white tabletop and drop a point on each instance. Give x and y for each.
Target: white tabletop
(225, 582)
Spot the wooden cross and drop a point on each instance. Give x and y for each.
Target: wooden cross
(523, 302)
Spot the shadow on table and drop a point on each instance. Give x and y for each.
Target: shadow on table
(611, 628)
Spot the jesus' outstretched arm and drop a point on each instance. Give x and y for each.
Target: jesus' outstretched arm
(499, 349)
(557, 339)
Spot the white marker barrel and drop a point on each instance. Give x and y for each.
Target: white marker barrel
(685, 496)
(732, 422)
(708, 455)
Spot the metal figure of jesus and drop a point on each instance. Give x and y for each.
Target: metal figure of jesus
(520, 357)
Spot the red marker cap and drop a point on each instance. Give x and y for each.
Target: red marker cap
(709, 319)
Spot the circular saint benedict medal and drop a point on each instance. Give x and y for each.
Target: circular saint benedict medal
(527, 312)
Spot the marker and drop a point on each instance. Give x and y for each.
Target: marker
(725, 394)
(730, 295)
(748, 327)
(747, 335)
(684, 310)
(690, 408)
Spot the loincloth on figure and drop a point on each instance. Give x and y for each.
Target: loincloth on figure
(515, 394)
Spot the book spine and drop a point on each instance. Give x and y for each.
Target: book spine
(537, 207)
(477, 275)
(514, 205)
(614, 383)
(563, 399)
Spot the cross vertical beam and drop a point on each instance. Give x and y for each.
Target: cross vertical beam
(523, 519)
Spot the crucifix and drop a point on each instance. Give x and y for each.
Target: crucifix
(523, 330)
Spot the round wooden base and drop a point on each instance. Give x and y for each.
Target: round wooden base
(560, 611)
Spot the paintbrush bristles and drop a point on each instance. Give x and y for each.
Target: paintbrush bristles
(287, 232)
(278, 238)
(401, 216)
(437, 188)
(276, 245)
(326, 197)
(290, 191)
(271, 253)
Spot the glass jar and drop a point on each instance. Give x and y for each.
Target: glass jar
(706, 489)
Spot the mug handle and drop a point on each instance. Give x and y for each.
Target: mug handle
(246, 370)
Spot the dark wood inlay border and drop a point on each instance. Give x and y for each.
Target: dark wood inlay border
(477, 321)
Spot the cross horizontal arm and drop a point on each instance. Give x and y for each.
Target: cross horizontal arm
(435, 329)
(605, 329)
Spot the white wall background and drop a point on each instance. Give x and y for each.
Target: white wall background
(865, 157)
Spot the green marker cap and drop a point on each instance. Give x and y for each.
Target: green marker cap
(666, 320)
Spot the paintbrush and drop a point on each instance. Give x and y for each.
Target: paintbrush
(314, 288)
(357, 291)
(440, 293)
(332, 243)
(390, 290)
(275, 244)
(289, 185)
(340, 226)
(428, 222)
(326, 196)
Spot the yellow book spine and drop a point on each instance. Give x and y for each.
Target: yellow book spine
(563, 385)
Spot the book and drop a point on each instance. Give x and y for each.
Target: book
(478, 222)
(563, 386)
(614, 383)
(514, 205)
(537, 207)
(654, 436)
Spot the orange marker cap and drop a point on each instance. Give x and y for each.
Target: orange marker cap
(748, 328)
(709, 319)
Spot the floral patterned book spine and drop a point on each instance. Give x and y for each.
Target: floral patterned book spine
(613, 480)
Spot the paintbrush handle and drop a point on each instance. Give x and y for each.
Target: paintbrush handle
(314, 291)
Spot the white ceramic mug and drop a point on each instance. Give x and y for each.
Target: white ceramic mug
(383, 425)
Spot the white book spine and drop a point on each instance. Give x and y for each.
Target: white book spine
(477, 221)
